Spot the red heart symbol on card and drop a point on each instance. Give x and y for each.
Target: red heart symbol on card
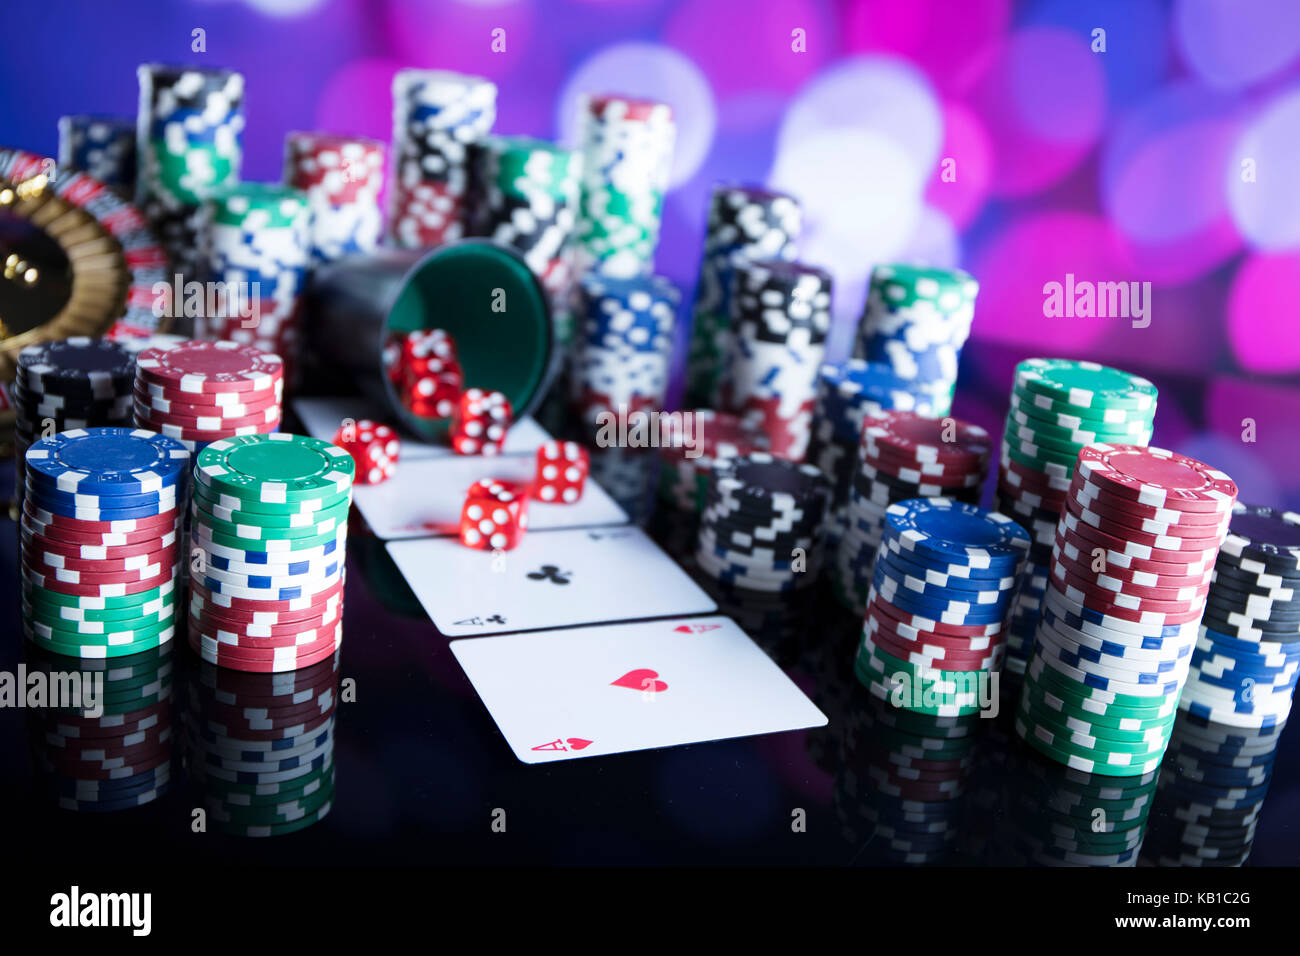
(641, 679)
(577, 743)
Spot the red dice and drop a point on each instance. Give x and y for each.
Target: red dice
(562, 468)
(373, 446)
(425, 371)
(480, 424)
(495, 515)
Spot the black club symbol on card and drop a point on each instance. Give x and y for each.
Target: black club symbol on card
(550, 572)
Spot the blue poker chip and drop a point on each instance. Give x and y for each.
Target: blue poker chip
(95, 514)
(164, 500)
(948, 613)
(1228, 644)
(1047, 643)
(1144, 642)
(952, 532)
(107, 461)
(975, 589)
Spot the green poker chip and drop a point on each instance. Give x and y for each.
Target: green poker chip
(1087, 385)
(1040, 458)
(1118, 705)
(1129, 743)
(278, 509)
(1104, 762)
(1105, 722)
(1040, 404)
(1130, 433)
(82, 649)
(257, 206)
(225, 538)
(50, 618)
(276, 468)
(271, 532)
(947, 291)
(272, 523)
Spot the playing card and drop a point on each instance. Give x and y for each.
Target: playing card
(424, 498)
(584, 692)
(321, 418)
(553, 579)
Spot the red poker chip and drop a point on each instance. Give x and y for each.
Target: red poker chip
(249, 403)
(207, 437)
(1085, 536)
(42, 519)
(970, 644)
(308, 635)
(1154, 476)
(1097, 499)
(1149, 573)
(55, 561)
(1156, 598)
(148, 393)
(1127, 521)
(919, 473)
(1084, 516)
(245, 609)
(201, 367)
(270, 734)
(93, 552)
(926, 439)
(98, 576)
(880, 605)
(39, 579)
(286, 689)
(948, 661)
(1152, 612)
(268, 415)
(611, 106)
(330, 615)
(209, 644)
(223, 658)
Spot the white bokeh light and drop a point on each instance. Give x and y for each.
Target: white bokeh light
(279, 8)
(881, 94)
(934, 242)
(1267, 211)
(655, 72)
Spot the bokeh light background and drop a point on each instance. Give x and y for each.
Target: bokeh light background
(1119, 165)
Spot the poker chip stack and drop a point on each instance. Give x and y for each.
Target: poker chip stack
(944, 582)
(761, 522)
(74, 383)
(113, 751)
(1059, 816)
(102, 146)
(1247, 652)
(898, 792)
(260, 747)
(269, 526)
(1130, 569)
(1212, 788)
(685, 465)
(847, 393)
(745, 223)
(257, 239)
(627, 156)
(99, 541)
(916, 320)
(189, 139)
(780, 316)
(437, 116)
(526, 198)
(621, 362)
(342, 177)
(1057, 408)
(900, 456)
(200, 392)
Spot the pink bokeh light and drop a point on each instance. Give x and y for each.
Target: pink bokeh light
(1014, 264)
(1261, 314)
(459, 36)
(1042, 99)
(757, 52)
(1274, 409)
(358, 99)
(965, 142)
(943, 38)
(1161, 182)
